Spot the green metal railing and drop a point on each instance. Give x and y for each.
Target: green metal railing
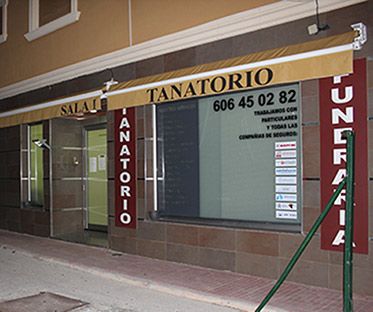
(348, 181)
(347, 256)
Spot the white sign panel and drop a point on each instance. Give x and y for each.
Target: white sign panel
(286, 171)
(286, 197)
(286, 180)
(286, 162)
(101, 162)
(286, 188)
(92, 164)
(285, 145)
(286, 214)
(286, 206)
(286, 154)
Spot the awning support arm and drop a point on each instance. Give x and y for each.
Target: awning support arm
(362, 35)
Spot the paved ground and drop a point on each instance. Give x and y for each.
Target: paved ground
(116, 282)
(23, 274)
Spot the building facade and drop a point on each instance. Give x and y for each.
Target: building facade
(206, 132)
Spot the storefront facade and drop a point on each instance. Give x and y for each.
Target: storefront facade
(195, 158)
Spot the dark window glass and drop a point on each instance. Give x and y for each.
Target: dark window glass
(178, 157)
(1, 20)
(50, 10)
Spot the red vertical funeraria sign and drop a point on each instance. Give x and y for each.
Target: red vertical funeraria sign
(125, 167)
(343, 106)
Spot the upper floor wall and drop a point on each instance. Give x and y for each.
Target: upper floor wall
(93, 28)
(169, 16)
(102, 27)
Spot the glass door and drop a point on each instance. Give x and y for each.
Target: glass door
(96, 180)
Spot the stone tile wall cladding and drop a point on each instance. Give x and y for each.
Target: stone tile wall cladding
(67, 178)
(253, 252)
(13, 216)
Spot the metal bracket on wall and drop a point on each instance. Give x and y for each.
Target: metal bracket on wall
(361, 38)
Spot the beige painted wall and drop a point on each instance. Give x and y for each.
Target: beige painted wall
(169, 16)
(103, 27)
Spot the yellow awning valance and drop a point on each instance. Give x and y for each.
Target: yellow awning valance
(64, 107)
(311, 60)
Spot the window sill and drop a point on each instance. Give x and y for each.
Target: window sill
(32, 206)
(235, 224)
(53, 26)
(3, 38)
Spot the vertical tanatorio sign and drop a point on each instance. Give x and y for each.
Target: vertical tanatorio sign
(125, 167)
(343, 106)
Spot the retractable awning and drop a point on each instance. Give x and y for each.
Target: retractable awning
(325, 57)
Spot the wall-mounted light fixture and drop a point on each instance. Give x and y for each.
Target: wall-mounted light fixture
(314, 29)
(111, 82)
(41, 143)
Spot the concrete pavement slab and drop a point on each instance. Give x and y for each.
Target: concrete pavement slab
(220, 287)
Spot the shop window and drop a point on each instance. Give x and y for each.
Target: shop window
(232, 158)
(3, 20)
(35, 172)
(46, 16)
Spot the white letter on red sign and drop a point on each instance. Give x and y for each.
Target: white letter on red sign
(349, 94)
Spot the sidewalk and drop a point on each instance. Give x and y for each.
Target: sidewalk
(230, 289)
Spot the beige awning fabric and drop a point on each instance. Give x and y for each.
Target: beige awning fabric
(311, 60)
(64, 107)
